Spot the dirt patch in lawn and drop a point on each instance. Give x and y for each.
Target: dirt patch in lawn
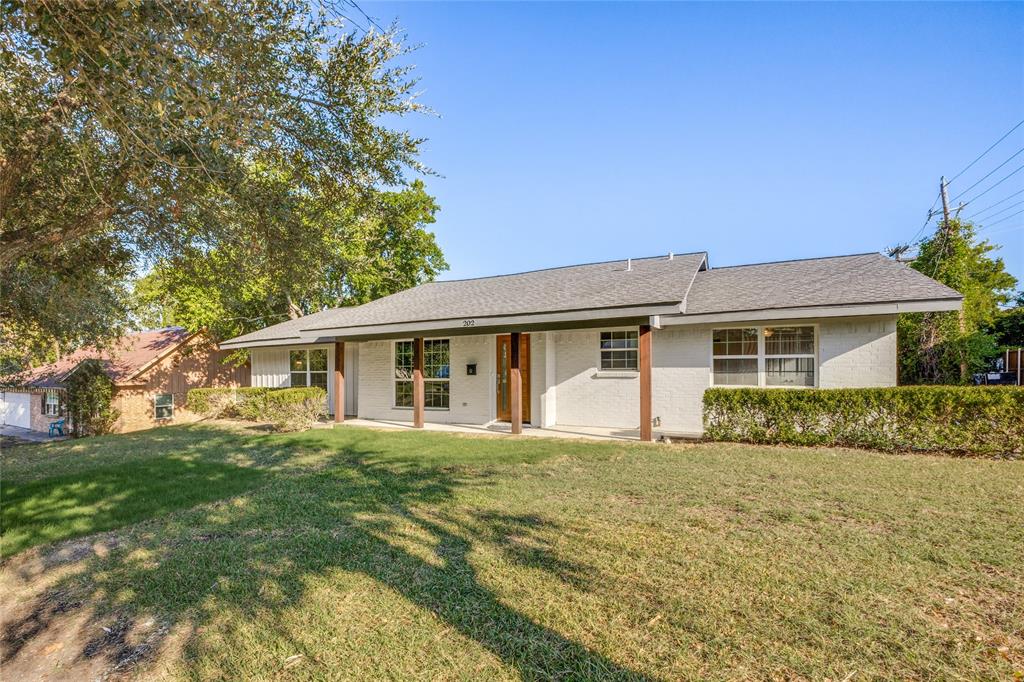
(54, 633)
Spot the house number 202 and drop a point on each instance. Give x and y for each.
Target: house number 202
(468, 323)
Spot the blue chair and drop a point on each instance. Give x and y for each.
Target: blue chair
(57, 428)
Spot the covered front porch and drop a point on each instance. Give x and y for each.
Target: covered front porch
(491, 382)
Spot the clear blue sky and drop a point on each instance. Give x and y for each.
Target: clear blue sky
(592, 131)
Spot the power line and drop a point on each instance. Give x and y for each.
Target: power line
(1005, 218)
(1003, 210)
(987, 150)
(931, 214)
(374, 22)
(978, 213)
(1007, 177)
(1005, 230)
(1015, 154)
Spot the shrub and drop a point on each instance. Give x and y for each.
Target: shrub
(210, 402)
(245, 402)
(288, 409)
(294, 409)
(90, 392)
(978, 420)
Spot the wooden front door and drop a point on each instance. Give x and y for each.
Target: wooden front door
(504, 347)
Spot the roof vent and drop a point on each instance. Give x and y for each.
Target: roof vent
(629, 264)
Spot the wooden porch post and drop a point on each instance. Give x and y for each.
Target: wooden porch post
(339, 381)
(417, 382)
(515, 383)
(645, 382)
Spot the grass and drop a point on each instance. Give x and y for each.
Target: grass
(356, 553)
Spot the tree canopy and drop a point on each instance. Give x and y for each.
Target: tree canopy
(1008, 326)
(141, 133)
(946, 347)
(349, 255)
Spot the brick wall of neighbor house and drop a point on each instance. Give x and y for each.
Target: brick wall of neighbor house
(40, 421)
(857, 352)
(196, 365)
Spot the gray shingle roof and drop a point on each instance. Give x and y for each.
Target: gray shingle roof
(576, 287)
(840, 280)
(683, 281)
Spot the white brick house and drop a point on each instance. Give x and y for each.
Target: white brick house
(623, 345)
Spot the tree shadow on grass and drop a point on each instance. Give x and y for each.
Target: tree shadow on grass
(72, 505)
(365, 512)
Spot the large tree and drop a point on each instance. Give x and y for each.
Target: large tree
(349, 253)
(147, 131)
(947, 347)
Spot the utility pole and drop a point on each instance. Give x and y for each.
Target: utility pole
(943, 188)
(948, 235)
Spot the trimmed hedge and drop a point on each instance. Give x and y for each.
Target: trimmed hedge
(288, 409)
(970, 420)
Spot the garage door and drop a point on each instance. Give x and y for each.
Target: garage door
(14, 409)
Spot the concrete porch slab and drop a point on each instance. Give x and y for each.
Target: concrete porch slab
(502, 428)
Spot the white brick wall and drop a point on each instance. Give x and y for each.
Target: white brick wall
(852, 352)
(586, 396)
(857, 352)
(680, 372)
(471, 396)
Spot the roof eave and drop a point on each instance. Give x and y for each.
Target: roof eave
(806, 312)
(472, 325)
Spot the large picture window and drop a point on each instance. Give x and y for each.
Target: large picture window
(619, 350)
(763, 356)
(436, 374)
(308, 367)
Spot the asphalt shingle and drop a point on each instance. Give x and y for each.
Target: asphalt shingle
(682, 280)
(840, 280)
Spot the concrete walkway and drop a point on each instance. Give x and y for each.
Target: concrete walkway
(15, 435)
(504, 428)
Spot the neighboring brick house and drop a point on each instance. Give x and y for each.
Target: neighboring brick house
(152, 372)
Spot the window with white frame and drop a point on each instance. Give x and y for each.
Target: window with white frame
(51, 405)
(436, 374)
(163, 406)
(764, 356)
(308, 367)
(619, 350)
(734, 357)
(789, 356)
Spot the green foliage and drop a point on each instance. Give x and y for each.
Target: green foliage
(945, 348)
(348, 253)
(101, 498)
(1008, 325)
(288, 409)
(295, 409)
(90, 392)
(976, 420)
(138, 132)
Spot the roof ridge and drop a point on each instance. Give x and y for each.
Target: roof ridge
(795, 260)
(566, 267)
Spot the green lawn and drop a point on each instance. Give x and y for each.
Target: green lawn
(356, 553)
